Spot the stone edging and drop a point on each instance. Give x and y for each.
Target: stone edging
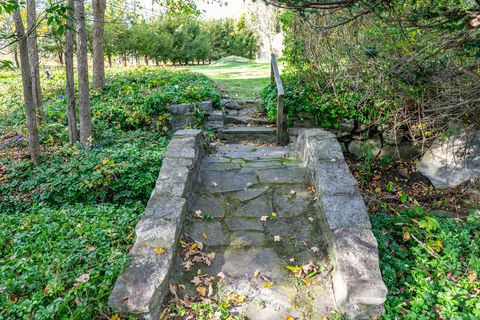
(358, 285)
(140, 289)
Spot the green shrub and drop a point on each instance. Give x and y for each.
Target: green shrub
(124, 172)
(327, 108)
(430, 265)
(45, 250)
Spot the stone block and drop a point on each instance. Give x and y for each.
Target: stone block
(239, 224)
(344, 211)
(357, 280)
(205, 106)
(180, 109)
(215, 206)
(333, 178)
(247, 239)
(323, 149)
(140, 289)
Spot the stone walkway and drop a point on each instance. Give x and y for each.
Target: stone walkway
(253, 207)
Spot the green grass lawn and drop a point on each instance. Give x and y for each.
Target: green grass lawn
(238, 77)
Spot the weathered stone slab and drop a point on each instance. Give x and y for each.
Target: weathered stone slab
(208, 233)
(164, 206)
(250, 193)
(140, 288)
(325, 149)
(283, 175)
(222, 182)
(239, 224)
(159, 232)
(220, 166)
(345, 211)
(334, 178)
(215, 206)
(205, 106)
(287, 204)
(260, 206)
(249, 152)
(179, 109)
(247, 238)
(243, 263)
(356, 278)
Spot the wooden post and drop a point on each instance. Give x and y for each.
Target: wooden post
(282, 134)
(272, 75)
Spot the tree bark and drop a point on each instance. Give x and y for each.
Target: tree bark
(98, 43)
(82, 69)
(15, 55)
(33, 139)
(34, 60)
(70, 87)
(60, 56)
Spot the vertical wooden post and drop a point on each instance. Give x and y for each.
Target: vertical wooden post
(272, 74)
(282, 138)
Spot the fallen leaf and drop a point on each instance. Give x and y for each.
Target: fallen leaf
(204, 235)
(214, 184)
(294, 307)
(12, 299)
(274, 214)
(187, 265)
(82, 279)
(159, 250)
(472, 277)
(198, 214)
(263, 218)
(197, 281)
(267, 285)
(221, 275)
(289, 317)
(293, 192)
(315, 249)
(406, 236)
(202, 291)
(256, 273)
(115, 317)
(277, 238)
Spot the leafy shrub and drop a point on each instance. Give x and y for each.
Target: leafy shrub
(45, 250)
(326, 108)
(430, 265)
(124, 172)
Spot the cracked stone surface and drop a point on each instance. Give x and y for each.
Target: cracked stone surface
(263, 218)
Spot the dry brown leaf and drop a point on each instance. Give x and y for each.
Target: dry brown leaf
(202, 291)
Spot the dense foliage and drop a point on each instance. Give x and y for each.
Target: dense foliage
(430, 265)
(66, 225)
(414, 62)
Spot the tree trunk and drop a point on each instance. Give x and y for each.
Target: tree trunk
(70, 87)
(82, 69)
(34, 60)
(15, 55)
(98, 43)
(110, 60)
(33, 139)
(60, 56)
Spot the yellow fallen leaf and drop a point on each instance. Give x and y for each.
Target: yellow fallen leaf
(202, 291)
(274, 214)
(289, 317)
(268, 284)
(294, 307)
(115, 317)
(204, 235)
(183, 243)
(472, 277)
(159, 250)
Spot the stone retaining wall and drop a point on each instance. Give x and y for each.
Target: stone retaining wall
(358, 286)
(140, 289)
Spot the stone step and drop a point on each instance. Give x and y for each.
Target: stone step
(247, 120)
(238, 104)
(247, 134)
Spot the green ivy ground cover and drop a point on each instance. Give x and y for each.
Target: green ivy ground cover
(66, 225)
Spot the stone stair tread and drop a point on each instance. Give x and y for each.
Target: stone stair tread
(240, 129)
(247, 119)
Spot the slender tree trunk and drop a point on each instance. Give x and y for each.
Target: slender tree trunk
(98, 43)
(70, 87)
(33, 139)
(34, 60)
(60, 56)
(82, 69)
(15, 55)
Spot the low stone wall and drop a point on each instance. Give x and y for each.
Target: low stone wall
(140, 289)
(183, 115)
(358, 286)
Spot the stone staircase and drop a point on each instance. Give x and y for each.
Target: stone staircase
(243, 121)
(285, 228)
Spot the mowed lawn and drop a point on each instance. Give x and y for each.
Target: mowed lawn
(237, 77)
